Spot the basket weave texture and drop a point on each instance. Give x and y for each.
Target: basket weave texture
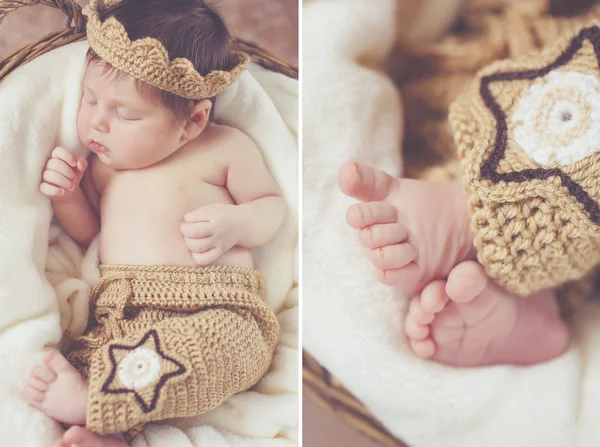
(75, 31)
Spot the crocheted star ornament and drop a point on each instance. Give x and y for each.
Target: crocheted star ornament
(528, 134)
(142, 370)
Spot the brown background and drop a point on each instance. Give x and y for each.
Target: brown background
(273, 24)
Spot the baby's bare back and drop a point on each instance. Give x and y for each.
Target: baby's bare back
(141, 210)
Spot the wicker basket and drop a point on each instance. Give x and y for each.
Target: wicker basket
(430, 76)
(323, 389)
(75, 31)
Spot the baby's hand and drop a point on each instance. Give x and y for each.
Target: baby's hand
(62, 174)
(210, 231)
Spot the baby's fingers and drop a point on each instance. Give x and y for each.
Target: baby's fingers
(82, 164)
(60, 166)
(206, 258)
(64, 155)
(196, 230)
(200, 245)
(51, 191)
(57, 179)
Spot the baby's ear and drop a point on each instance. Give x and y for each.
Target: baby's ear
(199, 117)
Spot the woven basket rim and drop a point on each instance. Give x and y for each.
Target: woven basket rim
(74, 33)
(330, 395)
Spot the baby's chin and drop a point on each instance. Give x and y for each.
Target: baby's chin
(109, 160)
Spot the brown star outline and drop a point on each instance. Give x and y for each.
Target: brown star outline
(146, 407)
(489, 167)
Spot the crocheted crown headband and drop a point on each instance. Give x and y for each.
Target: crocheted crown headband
(147, 59)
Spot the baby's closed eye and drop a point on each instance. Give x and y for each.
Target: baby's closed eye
(89, 98)
(128, 115)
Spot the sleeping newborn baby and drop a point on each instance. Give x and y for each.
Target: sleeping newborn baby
(178, 320)
(527, 133)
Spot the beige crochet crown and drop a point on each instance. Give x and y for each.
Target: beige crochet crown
(147, 59)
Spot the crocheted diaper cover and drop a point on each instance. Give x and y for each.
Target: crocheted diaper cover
(528, 135)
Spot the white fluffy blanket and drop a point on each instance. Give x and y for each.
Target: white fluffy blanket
(352, 325)
(38, 108)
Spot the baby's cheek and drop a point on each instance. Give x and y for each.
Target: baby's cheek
(152, 140)
(137, 147)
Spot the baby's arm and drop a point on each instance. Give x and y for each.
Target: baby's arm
(210, 231)
(61, 182)
(255, 191)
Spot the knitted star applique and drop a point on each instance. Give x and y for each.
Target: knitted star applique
(556, 123)
(141, 370)
(528, 134)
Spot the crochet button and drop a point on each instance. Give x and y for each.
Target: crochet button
(559, 121)
(139, 368)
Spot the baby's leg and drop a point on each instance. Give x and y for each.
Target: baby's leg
(82, 437)
(417, 231)
(469, 321)
(57, 389)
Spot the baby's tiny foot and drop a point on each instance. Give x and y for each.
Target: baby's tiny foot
(469, 321)
(57, 389)
(417, 231)
(82, 437)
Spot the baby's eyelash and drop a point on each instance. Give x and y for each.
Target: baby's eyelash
(88, 99)
(125, 119)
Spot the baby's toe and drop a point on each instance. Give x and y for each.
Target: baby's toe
(48, 356)
(75, 434)
(44, 374)
(407, 278)
(414, 330)
(417, 313)
(466, 281)
(379, 235)
(422, 348)
(365, 183)
(38, 384)
(32, 396)
(433, 296)
(361, 215)
(56, 362)
(393, 256)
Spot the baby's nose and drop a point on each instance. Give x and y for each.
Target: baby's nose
(99, 122)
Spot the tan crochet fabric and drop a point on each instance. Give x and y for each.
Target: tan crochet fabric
(526, 130)
(171, 342)
(432, 75)
(147, 59)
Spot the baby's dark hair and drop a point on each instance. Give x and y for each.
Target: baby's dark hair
(187, 28)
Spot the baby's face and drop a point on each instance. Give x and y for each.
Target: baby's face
(125, 129)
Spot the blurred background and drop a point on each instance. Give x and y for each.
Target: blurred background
(321, 429)
(273, 24)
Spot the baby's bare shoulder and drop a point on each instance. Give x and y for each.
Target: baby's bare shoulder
(236, 144)
(226, 145)
(229, 136)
